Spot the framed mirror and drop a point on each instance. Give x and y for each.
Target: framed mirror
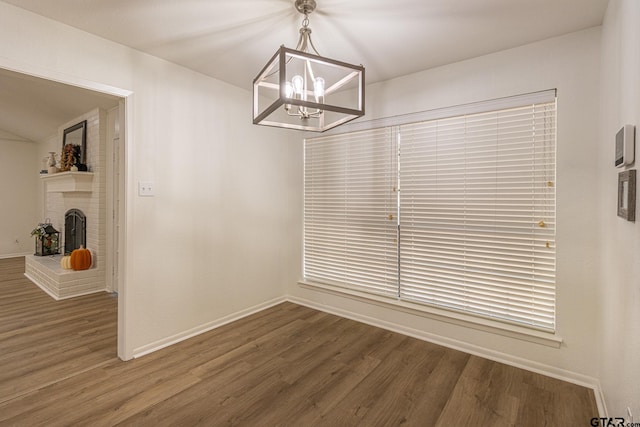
(76, 136)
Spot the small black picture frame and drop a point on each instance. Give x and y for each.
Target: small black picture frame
(77, 135)
(627, 195)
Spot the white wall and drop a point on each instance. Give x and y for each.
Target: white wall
(215, 239)
(619, 297)
(570, 64)
(19, 169)
(44, 147)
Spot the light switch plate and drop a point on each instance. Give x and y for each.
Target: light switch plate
(146, 189)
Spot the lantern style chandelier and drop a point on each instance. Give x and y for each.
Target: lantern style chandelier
(300, 89)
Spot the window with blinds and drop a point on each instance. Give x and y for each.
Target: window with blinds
(475, 194)
(350, 223)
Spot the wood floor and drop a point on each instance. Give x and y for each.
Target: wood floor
(287, 365)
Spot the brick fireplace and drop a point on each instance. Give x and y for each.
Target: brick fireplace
(83, 192)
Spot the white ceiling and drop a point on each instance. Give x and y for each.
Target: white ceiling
(232, 39)
(32, 108)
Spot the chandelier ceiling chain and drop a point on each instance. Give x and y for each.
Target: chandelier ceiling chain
(305, 37)
(303, 82)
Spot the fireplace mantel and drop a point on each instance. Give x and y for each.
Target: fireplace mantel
(68, 182)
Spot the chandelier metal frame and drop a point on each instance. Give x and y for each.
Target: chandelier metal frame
(300, 89)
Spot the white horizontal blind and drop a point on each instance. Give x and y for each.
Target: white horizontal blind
(350, 211)
(477, 214)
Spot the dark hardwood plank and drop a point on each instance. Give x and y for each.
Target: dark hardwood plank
(42, 340)
(284, 366)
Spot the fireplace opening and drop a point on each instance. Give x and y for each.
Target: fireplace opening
(75, 230)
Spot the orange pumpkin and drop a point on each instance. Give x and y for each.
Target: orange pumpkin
(81, 259)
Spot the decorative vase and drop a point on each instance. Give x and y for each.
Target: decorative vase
(45, 165)
(52, 162)
(52, 158)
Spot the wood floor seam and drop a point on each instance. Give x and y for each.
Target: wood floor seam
(6, 399)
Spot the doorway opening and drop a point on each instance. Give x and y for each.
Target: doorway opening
(75, 97)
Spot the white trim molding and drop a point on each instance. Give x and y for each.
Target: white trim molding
(600, 400)
(189, 333)
(442, 315)
(15, 255)
(439, 113)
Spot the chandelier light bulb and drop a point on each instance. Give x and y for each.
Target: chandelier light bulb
(288, 90)
(318, 89)
(298, 85)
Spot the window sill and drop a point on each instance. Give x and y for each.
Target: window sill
(468, 321)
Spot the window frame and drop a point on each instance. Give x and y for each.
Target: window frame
(469, 319)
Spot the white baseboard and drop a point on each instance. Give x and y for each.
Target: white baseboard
(602, 406)
(165, 342)
(507, 359)
(7, 256)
